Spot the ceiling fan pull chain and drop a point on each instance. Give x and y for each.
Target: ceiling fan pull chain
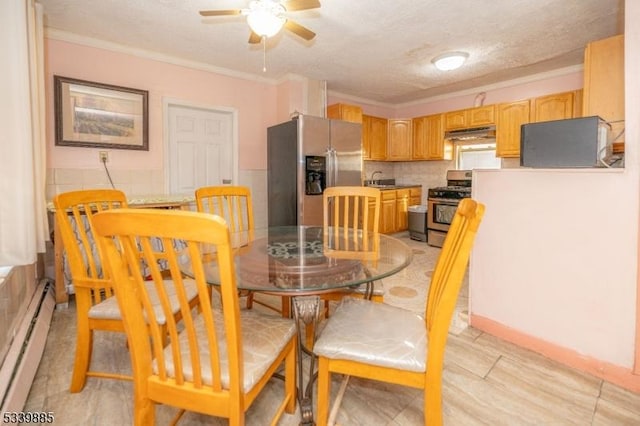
(264, 54)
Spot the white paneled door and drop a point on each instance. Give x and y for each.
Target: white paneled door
(201, 148)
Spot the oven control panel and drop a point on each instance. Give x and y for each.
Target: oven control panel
(450, 192)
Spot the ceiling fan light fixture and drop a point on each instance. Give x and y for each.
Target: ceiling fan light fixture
(265, 17)
(450, 61)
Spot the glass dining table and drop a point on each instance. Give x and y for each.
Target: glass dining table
(303, 262)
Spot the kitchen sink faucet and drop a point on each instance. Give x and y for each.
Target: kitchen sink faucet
(375, 173)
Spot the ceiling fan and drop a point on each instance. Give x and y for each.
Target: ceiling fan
(267, 17)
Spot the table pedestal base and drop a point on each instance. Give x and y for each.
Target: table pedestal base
(306, 310)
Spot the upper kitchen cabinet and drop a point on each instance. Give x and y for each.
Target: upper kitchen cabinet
(604, 81)
(558, 106)
(509, 118)
(374, 138)
(345, 112)
(428, 139)
(471, 117)
(400, 139)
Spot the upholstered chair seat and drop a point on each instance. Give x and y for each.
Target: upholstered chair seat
(399, 339)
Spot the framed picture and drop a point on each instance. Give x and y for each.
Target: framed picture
(99, 115)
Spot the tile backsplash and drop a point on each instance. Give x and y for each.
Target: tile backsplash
(132, 182)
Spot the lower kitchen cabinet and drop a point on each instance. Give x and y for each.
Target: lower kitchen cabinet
(388, 212)
(402, 209)
(415, 196)
(394, 211)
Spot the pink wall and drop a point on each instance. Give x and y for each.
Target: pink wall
(252, 100)
(555, 260)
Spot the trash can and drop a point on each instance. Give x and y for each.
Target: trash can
(418, 222)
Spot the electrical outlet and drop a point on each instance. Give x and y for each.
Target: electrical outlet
(104, 156)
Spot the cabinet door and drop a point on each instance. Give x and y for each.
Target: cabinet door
(378, 142)
(419, 149)
(577, 103)
(402, 210)
(604, 79)
(428, 139)
(510, 117)
(603, 92)
(437, 147)
(400, 138)
(455, 120)
(388, 212)
(553, 107)
(366, 137)
(415, 196)
(481, 116)
(345, 112)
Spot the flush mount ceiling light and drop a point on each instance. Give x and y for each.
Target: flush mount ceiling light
(450, 61)
(266, 18)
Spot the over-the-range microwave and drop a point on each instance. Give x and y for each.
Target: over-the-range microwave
(575, 142)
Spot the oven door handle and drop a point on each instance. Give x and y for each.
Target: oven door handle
(447, 201)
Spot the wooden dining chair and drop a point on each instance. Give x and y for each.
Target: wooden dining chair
(96, 306)
(219, 359)
(389, 344)
(234, 204)
(352, 210)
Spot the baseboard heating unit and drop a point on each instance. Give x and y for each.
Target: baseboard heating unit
(25, 349)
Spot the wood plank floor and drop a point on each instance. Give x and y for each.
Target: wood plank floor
(486, 382)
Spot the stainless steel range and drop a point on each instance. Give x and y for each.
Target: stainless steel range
(442, 203)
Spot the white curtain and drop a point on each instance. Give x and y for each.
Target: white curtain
(23, 220)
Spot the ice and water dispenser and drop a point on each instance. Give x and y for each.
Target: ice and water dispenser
(315, 175)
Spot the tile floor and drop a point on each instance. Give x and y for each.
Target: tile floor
(486, 381)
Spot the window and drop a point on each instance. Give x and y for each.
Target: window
(476, 155)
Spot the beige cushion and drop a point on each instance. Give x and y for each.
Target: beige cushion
(263, 338)
(375, 333)
(108, 308)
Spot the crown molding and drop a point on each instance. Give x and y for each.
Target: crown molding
(65, 36)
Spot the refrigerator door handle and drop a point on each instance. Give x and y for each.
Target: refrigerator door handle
(330, 167)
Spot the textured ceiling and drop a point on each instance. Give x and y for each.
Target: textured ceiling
(379, 50)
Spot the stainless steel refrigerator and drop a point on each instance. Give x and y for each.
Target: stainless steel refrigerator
(304, 156)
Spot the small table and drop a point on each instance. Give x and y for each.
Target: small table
(304, 261)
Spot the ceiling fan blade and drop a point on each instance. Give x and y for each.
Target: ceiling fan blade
(292, 5)
(254, 38)
(298, 29)
(220, 12)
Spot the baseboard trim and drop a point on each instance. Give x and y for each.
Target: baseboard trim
(615, 374)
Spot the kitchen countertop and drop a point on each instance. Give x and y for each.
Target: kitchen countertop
(394, 186)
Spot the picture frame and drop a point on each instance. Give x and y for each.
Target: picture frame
(97, 115)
